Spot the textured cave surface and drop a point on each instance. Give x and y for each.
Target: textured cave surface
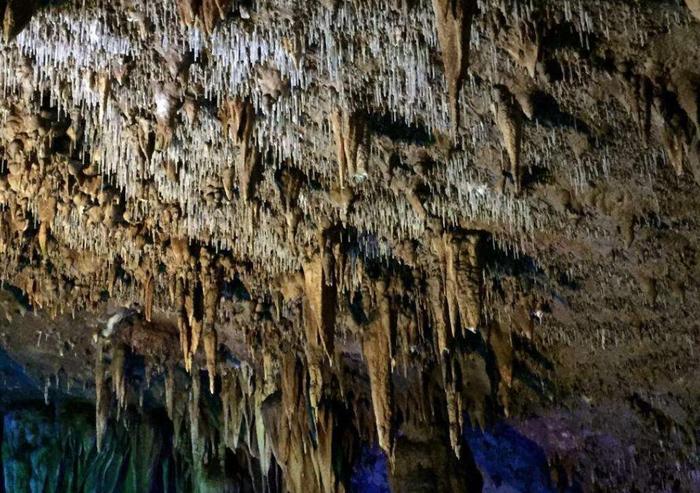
(349, 245)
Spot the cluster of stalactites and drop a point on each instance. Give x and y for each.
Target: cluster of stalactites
(455, 293)
(283, 412)
(208, 12)
(270, 419)
(187, 181)
(196, 294)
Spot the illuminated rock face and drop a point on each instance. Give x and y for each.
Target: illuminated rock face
(308, 231)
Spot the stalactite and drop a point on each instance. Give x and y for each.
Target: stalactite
(170, 390)
(148, 293)
(323, 457)
(502, 347)
(237, 120)
(289, 184)
(183, 321)
(193, 303)
(209, 12)
(287, 416)
(262, 441)
(463, 281)
(320, 298)
(453, 398)
(694, 6)
(524, 46)
(210, 347)
(43, 238)
(196, 329)
(233, 401)
(18, 13)
(435, 294)
(194, 413)
(117, 369)
(210, 280)
(320, 303)
(377, 352)
(508, 117)
(453, 19)
(350, 141)
(102, 396)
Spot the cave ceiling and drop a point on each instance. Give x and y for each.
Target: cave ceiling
(404, 218)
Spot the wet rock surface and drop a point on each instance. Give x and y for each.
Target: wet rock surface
(444, 245)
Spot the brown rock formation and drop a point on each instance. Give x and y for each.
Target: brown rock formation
(278, 184)
(17, 14)
(453, 19)
(377, 352)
